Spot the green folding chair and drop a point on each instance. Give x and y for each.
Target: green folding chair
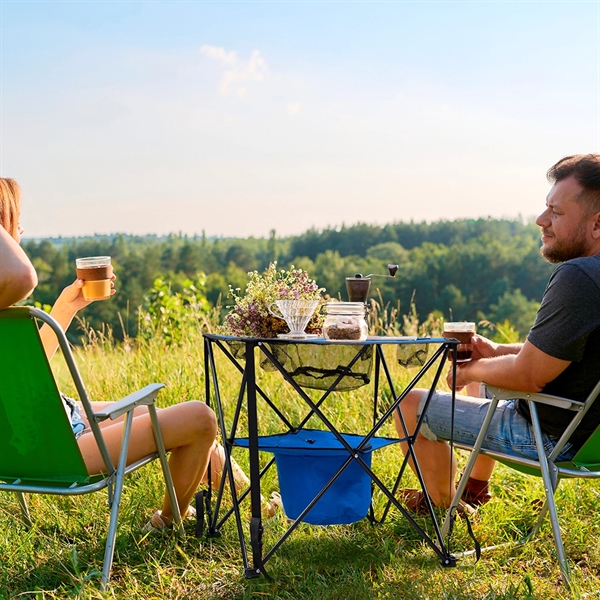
(585, 464)
(38, 451)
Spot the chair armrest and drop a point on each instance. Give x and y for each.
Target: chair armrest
(557, 401)
(145, 396)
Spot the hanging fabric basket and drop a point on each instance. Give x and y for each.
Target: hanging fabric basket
(307, 460)
(316, 366)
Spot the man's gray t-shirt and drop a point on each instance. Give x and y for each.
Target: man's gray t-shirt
(567, 326)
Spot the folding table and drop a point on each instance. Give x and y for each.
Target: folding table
(352, 447)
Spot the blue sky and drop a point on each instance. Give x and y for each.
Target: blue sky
(235, 118)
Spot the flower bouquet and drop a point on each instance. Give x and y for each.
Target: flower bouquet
(250, 315)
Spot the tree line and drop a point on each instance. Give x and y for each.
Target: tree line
(463, 269)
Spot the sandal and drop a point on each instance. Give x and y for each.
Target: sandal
(271, 506)
(415, 502)
(158, 524)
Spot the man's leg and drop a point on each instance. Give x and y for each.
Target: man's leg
(438, 464)
(436, 461)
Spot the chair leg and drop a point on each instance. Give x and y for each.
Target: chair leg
(534, 530)
(24, 509)
(109, 550)
(550, 484)
(162, 455)
(560, 549)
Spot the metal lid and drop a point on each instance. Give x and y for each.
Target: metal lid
(346, 308)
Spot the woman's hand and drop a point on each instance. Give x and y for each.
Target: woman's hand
(72, 300)
(65, 308)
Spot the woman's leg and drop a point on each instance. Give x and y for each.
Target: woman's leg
(100, 406)
(188, 430)
(241, 481)
(217, 468)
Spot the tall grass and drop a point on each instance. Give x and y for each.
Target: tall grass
(61, 556)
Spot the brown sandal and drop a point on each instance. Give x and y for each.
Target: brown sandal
(415, 502)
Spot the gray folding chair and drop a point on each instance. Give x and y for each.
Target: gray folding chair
(38, 451)
(585, 464)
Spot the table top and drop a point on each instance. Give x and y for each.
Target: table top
(370, 341)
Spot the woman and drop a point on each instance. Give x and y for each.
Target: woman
(188, 429)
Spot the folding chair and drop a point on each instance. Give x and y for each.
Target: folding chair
(38, 451)
(585, 464)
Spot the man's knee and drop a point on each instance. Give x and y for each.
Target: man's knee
(409, 407)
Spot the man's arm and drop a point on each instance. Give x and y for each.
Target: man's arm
(529, 370)
(17, 275)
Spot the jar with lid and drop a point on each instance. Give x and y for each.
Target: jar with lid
(345, 322)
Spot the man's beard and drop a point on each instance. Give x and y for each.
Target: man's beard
(567, 249)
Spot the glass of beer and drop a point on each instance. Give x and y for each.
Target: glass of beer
(463, 332)
(96, 272)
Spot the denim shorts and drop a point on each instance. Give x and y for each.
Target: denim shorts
(509, 432)
(74, 414)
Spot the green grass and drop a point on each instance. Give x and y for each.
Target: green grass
(62, 555)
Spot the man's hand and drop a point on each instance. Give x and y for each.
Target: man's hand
(462, 376)
(483, 348)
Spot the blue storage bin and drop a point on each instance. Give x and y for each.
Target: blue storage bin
(307, 460)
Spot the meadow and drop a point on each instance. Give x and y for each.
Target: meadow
(60, 557)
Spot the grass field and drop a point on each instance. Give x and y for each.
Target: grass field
(61, 556)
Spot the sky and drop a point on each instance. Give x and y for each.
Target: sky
(239, 118)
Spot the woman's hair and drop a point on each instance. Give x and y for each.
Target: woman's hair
(10, 205)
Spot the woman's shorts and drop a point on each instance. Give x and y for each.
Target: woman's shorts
(74, 414)
(509, 432)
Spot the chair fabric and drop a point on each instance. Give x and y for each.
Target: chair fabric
(38, 450)
(585, 464)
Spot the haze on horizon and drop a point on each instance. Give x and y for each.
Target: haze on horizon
(237, 118)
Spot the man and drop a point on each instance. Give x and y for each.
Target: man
(561, 355)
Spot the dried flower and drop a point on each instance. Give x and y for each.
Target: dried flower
(250, 316)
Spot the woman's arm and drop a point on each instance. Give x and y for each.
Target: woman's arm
(65, 308)
(17, 275)
(67, 305)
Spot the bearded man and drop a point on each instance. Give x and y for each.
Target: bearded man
(561, 355)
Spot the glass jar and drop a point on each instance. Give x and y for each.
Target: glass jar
(345, 322)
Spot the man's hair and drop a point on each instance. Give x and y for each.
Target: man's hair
(585, 168)
(10, 205)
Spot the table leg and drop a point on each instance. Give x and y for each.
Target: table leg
(256, 527)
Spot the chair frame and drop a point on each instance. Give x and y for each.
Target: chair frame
(114, 476)
(546, 466)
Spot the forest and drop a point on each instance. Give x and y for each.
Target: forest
(480, 269)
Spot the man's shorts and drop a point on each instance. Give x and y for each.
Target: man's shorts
(509, 432)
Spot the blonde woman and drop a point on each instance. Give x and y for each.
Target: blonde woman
(188, 429)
